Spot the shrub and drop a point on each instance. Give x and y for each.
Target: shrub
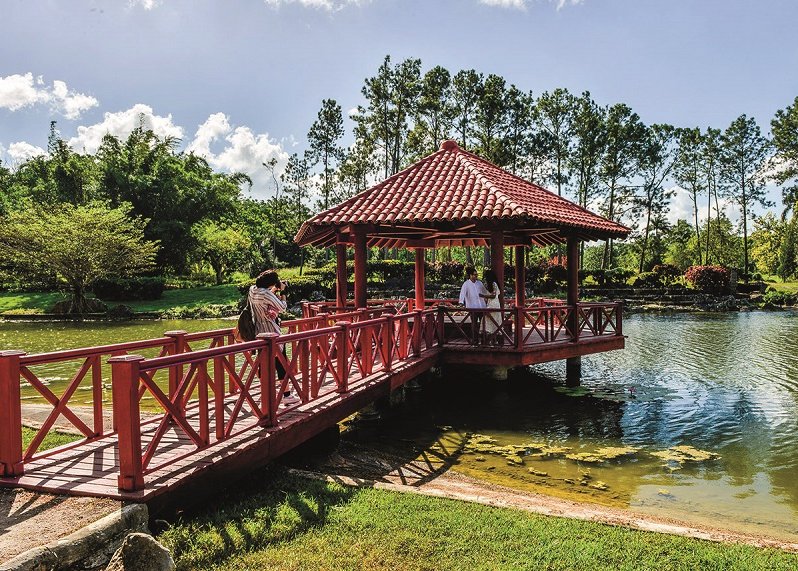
(448, 272)
(708, 279)
(386, 270)
(647, 279)
(302, 287)
(781, 298)
(617, 276)
(129, 289)
(667, 273)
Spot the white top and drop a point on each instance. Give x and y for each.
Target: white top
(494, 301)
(469, 295)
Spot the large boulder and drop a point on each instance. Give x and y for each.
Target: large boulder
(141, 552)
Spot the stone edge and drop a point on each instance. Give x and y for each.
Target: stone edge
(100, 537)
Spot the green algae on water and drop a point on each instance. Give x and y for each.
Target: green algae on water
(676, 456)
(603, 454)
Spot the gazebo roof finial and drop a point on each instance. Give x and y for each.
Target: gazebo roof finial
(449, 145)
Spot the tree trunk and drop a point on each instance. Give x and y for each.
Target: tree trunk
(645, 239)
(697, 229)
(468, 256)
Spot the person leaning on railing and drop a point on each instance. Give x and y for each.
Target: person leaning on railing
(470, 297)
(267, 300)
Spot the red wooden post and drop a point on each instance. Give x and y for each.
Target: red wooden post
(204, 403)
(441, 326)
(420, 294)
(342, 355)
(361, 258)
(10, 415)
(497, 255)
(520, 276)
(125, 392)
(97, 394)
(340, 274)
(267, 373)
(619, 318)
(178, 347)
(520, 319)
(387, 342)
(219, 394)
(573, 285)
(366, 353)
(418, 330)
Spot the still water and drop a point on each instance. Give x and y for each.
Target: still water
(722, 388)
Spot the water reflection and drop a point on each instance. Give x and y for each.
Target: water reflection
(723, 384)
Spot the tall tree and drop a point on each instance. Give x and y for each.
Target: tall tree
(553, 115)
(710, 162)
(784, 127)
(466, 89)
(323, 139)
(522, 153)
(688, 172)
(655, 163)
(744, 152)
(491, 120)
(625, 134)
(433, 115)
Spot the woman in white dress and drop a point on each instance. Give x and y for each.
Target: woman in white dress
(492, 293)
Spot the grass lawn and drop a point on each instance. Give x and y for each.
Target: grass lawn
(186, 298)
(276, 521)
(787, 287)
(52, 440)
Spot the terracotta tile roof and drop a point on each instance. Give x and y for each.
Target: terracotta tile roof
(455, 185)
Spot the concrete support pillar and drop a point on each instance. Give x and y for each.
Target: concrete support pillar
(340, 274)
(573, 371)
(361, 257)
(520, 276)
(420, 281)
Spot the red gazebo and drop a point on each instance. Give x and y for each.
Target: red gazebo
(454, 198)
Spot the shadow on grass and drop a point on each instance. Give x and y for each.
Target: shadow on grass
(267, 507)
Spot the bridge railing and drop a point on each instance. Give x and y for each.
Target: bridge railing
(312, 363)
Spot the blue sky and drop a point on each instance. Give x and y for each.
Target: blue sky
(241, 81)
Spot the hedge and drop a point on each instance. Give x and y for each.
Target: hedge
(141, 288)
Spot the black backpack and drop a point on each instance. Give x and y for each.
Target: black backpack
(246, 325)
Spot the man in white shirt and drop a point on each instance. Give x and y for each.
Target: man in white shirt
(470, 297)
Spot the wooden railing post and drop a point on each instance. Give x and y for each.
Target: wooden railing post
(619, 318)
(519, 327)
(418, 330)
(387, 342)
(366, 353)
(441, 326)
(10, 415)
(342, 355)
(125, 392)
(178, 347)
(267, 374)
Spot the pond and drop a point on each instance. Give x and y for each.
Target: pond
(696, 419)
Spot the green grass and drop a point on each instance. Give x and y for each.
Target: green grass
(41, 302)
(52, 440)
(281, 522)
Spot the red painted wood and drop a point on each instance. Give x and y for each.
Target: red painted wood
(125, 383)
(10, 414)
(497, 255)
(573, 283)
(520, 276)
(340, 274)
(361, 258)
(419, 278)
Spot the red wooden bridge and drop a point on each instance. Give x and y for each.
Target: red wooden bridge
(213, 413)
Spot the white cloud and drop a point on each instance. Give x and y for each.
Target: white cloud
(121, 124)
(242, 151)
(22, 151)
(146, 4)
(20, 91)
(329, 5)
(523, 4)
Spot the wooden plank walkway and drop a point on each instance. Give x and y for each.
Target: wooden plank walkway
(92, 469)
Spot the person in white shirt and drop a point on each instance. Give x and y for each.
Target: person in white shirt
(470, 297)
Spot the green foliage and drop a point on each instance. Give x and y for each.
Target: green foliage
(784, 127)
(78, 244)
(223, 247)
(667, 273)
(647, 279)
(138, 288)
(708, 279)
(780, 298)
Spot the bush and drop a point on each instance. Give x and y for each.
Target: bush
(302, 287)
(448, 272)
(708, 279)
(667, 273)
(647, 279)
(386, 270)
(781, 298)
(141, 288)
(617, 276)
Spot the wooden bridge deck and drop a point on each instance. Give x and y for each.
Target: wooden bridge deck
(92, 468)
(215, 418)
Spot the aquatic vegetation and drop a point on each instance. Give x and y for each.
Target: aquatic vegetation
(573, 391)
(599, 485)
(538, 473)
(481, 444)
(603, 454)
(676, 456)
